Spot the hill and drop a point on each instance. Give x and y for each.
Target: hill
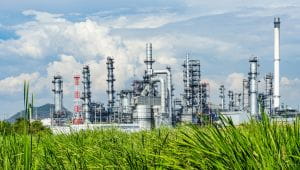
(39, 113)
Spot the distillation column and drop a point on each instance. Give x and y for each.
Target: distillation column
(86, 94)
(110, 84)
(253, 86)
(276, 62)
(187, 115)
(230, 100)
(222, 96)
(58, 94)
(58, 114)
(149, 61)
(269, 92)
(245, 95)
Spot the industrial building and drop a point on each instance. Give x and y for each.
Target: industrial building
(150, 102)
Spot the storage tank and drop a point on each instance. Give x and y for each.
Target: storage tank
(143, 116)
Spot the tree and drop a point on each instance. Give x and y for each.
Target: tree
(5, 128)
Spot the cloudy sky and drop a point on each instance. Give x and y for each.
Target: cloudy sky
(41, 38)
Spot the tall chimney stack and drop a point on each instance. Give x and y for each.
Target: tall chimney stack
(276, 62)
(149, 61)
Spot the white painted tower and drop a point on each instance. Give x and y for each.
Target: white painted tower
(276, 62)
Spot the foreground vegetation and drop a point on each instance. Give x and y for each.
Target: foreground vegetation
(256, 145)
(262, 145)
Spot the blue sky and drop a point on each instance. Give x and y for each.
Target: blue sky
(41, 38)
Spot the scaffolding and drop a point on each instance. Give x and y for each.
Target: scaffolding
(58, 116)
(86, 94)
(110, 85)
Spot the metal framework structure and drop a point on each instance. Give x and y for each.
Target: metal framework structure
(110, 84)
(204, 96)
(245, 94)
(86, 94)
(58, 116)
(230, 100)
(268, 92)
(77, 117)
(222, 96)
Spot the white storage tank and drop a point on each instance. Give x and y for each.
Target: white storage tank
(143, 116)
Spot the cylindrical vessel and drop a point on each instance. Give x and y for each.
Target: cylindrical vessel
(143, 116)
(58, 93)
(149, 61)
(276, 61)
(86, 95)
(253, 86)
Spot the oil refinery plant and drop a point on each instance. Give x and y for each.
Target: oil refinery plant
(151, 103)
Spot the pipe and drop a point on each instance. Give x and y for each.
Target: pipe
(169, 87)
(276, 62)
(245, 84)
(187, 79)
(162, 93)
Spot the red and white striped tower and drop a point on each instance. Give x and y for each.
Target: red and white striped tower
(77, 118)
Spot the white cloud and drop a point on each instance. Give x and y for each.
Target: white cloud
(289, 91)
(44, 16)
(234, 81)
(15, 84)
(143, 21)
(235, 4)
(67, 67)
(50, 35)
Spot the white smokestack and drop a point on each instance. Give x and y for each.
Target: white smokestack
(253, 85)
(276, 62)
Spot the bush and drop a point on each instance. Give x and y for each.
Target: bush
(36, 127)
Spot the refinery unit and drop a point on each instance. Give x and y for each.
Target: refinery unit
(150, 102)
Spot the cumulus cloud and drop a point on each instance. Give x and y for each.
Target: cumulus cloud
(289, 90)
(234, 81)
(141, 21)
(15, 84)
(49, 35)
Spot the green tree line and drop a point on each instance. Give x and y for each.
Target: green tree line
(7, 128)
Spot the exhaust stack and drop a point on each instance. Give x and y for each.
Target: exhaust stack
(276, 62)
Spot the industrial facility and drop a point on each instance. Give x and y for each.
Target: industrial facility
(151, 103)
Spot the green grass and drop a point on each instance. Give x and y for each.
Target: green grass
(257, 145)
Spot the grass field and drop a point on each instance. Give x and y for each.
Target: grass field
(257, 145)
